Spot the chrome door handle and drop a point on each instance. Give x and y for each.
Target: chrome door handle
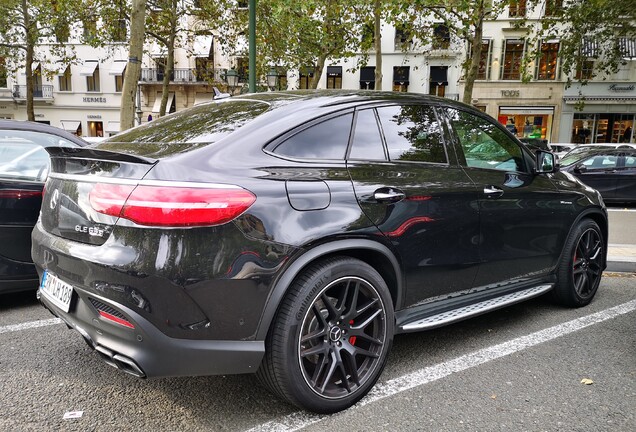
(493, 192)
(388, 195)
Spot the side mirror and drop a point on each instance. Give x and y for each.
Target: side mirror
(545, 162)
(580, 168)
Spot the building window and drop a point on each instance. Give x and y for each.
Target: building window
(403, 39)
(92, 81)
(119, 30)
(438, 81)
(483, 73)
(548, 61)
(3, 73)
(119, 83)
(334, 77)
(441, 37)
(367, 78)
(513, 55)
(584, 70)
(306, 75)
(243, 68)
(401, 78)
(204, 69)
(553, 7)
(90, 28)
(368, 35)
(62, 31)
(65, 80)
(517, 9)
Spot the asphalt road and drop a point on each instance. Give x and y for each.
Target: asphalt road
(517, 369)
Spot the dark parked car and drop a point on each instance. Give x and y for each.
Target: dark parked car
(24, 165)
(610, 171)
(294, 234)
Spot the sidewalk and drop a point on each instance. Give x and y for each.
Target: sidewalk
(621, 257)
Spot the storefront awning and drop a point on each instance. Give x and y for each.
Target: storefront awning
(334, 70)
(200, 98)
(157, 105)
(439, 74)
(367, 74)
(628, 48)
(70, 125)
(526, 110)
(202, 46)
(113, 126)
(118, 67)
(89, 67)
(401, 75)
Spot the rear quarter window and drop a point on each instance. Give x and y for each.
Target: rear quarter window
(326, 140)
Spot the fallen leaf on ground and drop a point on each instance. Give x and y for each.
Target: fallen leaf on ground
(587, 381)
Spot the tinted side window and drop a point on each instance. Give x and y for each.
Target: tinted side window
(484, 144)
(326, 140)
(630, 160)
(601, 162)
(412, 133)
(367, 142)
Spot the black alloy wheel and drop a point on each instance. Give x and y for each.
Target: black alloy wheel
(342, 336)
(330, 339)
(587, 263)
(581, 266)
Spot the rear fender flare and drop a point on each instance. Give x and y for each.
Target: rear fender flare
(284, 282)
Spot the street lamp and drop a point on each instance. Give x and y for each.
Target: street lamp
(272, 79)
(232, 78)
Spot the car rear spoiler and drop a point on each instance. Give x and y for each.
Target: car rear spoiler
(93, 154)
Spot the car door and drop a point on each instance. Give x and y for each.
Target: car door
(599, 171)
(411, 187)
(625, 190)
(520, 229)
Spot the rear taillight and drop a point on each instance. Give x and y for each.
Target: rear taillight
(19, 193)
(170, 206)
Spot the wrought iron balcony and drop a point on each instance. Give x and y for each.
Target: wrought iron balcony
(180, 76)
(39, 92)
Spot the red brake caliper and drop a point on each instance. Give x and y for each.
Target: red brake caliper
(352, 339)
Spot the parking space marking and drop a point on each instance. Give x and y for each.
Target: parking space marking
(299, 420)
(29, 325)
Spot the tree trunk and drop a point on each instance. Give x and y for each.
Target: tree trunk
(319, 67)
(377, 42)
(133, 69)
(169, 68)
(471, 68)
(30, 46)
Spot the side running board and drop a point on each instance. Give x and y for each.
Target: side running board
(474, 309)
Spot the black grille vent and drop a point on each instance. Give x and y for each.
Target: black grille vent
(105, 308)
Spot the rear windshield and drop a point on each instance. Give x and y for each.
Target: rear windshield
(22, 154)
(205, 123)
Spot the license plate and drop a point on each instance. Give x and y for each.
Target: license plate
(56, 291)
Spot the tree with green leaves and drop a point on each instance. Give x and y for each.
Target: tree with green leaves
(592, 35)
(23, 24)
(464, 22)
(294, 35)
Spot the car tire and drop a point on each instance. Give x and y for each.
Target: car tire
(581, 265)
(331, 336)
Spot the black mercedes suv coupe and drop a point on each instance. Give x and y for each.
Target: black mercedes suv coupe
(293, 234)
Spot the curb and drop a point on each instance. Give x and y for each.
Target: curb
(621, 258)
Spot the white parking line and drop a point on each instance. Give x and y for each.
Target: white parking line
(299, 420)
(29, 325)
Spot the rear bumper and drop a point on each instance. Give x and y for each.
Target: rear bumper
(146, 352)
